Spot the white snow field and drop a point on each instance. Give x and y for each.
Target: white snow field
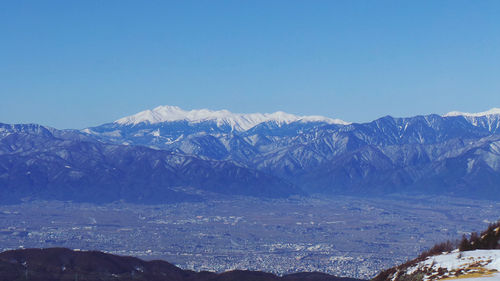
(238, 121)
(468, 265)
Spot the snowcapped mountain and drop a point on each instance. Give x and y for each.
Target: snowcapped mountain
(237, 121)
(493, 111)
(448, 155)
(432, 153)
(488, 119)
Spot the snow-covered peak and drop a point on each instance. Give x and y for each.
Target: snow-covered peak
(237, 121)
(493, 111)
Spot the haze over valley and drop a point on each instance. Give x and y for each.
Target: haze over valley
(213, 190)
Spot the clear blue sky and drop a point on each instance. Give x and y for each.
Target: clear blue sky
(73, 64)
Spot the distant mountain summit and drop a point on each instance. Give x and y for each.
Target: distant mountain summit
(488, 119)
(237, 121)
(493, 111)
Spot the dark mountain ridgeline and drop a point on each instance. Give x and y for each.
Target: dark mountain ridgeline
(60, 264)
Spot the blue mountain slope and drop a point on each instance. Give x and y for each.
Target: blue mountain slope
(383, 156)
(36, 164)
(449, 155)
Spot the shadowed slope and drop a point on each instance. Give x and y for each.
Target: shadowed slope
(60, 264)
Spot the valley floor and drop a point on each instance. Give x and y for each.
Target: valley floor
(344, 236)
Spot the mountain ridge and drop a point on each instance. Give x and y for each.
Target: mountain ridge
(36, 163)
(431, 154)
(391, 154)
(237, 121)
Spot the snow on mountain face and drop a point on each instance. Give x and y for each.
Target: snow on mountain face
(468, 265)
(488, 119)
(237, 121)
(493, 111)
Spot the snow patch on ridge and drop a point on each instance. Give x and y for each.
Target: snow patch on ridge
(478, 264)
(237, 121)
(493, 111)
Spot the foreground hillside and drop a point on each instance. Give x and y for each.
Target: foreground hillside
(477, 258)
(476, 265)
(59, 264)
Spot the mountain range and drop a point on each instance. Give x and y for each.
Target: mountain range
(168, 154)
